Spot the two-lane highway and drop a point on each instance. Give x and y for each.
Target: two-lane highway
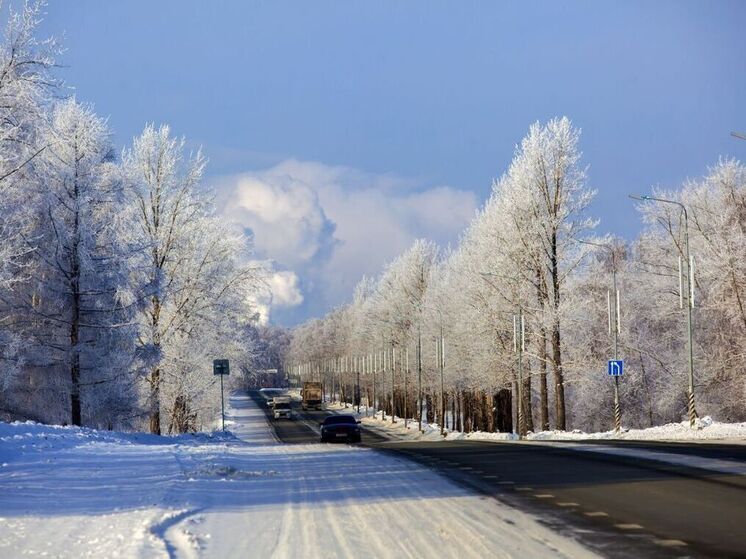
(620, 506)
(304, 427)
(659, 508)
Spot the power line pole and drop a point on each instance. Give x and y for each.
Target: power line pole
(613, 308)
(374, 358)
(519, 347)
(440, 354)
(615, 326)
(406, 374)
(393, 383)
(419, 374)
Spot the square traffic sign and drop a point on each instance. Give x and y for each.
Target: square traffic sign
(220, 367)
(616, 367)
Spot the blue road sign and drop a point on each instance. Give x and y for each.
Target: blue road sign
(616, 367)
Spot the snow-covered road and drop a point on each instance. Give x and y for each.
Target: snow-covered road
(68, 492)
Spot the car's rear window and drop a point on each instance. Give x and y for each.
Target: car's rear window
(337, 419)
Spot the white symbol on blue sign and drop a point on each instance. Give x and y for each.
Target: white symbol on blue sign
(616, 367)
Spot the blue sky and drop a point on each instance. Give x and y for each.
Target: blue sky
(382, 105)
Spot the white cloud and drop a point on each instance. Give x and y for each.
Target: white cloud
(284, 214)
(282, 290)
(285, 289)
(331, 224)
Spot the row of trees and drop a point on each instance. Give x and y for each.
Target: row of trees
(118, 282)
(532, 251)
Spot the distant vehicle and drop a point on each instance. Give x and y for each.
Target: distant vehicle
(281, 407)
(311, 395)
(340, 427)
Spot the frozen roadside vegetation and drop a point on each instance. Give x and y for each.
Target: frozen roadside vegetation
(75, 492)
(705, 429)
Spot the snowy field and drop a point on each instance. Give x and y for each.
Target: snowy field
(69, 492)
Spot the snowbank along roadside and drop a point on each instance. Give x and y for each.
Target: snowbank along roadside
(71, 492)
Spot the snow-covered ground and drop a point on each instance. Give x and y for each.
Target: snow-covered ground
(69, 492)
(706, 429)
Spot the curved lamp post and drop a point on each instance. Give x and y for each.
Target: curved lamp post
(690, 296)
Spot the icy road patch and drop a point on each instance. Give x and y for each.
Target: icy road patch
(67, 492)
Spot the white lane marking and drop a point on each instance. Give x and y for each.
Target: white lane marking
(670, 543)
(628, 526)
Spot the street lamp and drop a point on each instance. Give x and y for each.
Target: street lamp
(690, 296)
(738, 135)
(614, 328)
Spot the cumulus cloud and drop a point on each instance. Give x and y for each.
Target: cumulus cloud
(282, 290)
(285, 290)
(284, 216)
(329, 225)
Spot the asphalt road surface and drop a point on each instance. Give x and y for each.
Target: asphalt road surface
(304, 427)
(618, 506)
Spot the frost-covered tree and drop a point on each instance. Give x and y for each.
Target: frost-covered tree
(193, 283)
(69, 302)
(547, 167)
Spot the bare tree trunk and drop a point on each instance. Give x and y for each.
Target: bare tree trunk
(527, 407)
(647, 390)
(485, 411)
(543, 396)
(155, 375)
(559, 393)
(504, 411)
(559, 386)
(75, 411)
(459, 410)
(155, 401)
(182, 419)
(453, 411)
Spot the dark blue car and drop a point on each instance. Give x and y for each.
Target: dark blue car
(340, 428)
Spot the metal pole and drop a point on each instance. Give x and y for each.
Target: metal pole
(357, 393)
(519, 344)
(393, 380)
(615, 328)
(690, 301)
(222, 403)
(419, 373)
(375, 366)
(406, 374)
(690, 304)
(442, 392)
(614, 323)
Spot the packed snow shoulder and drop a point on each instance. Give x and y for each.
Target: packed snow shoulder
(75, 492)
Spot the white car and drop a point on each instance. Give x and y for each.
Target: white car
(281, 408)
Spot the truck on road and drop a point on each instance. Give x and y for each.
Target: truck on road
(311, 395)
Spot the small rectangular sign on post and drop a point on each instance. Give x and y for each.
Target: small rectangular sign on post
(616, 367)
(220, 367)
